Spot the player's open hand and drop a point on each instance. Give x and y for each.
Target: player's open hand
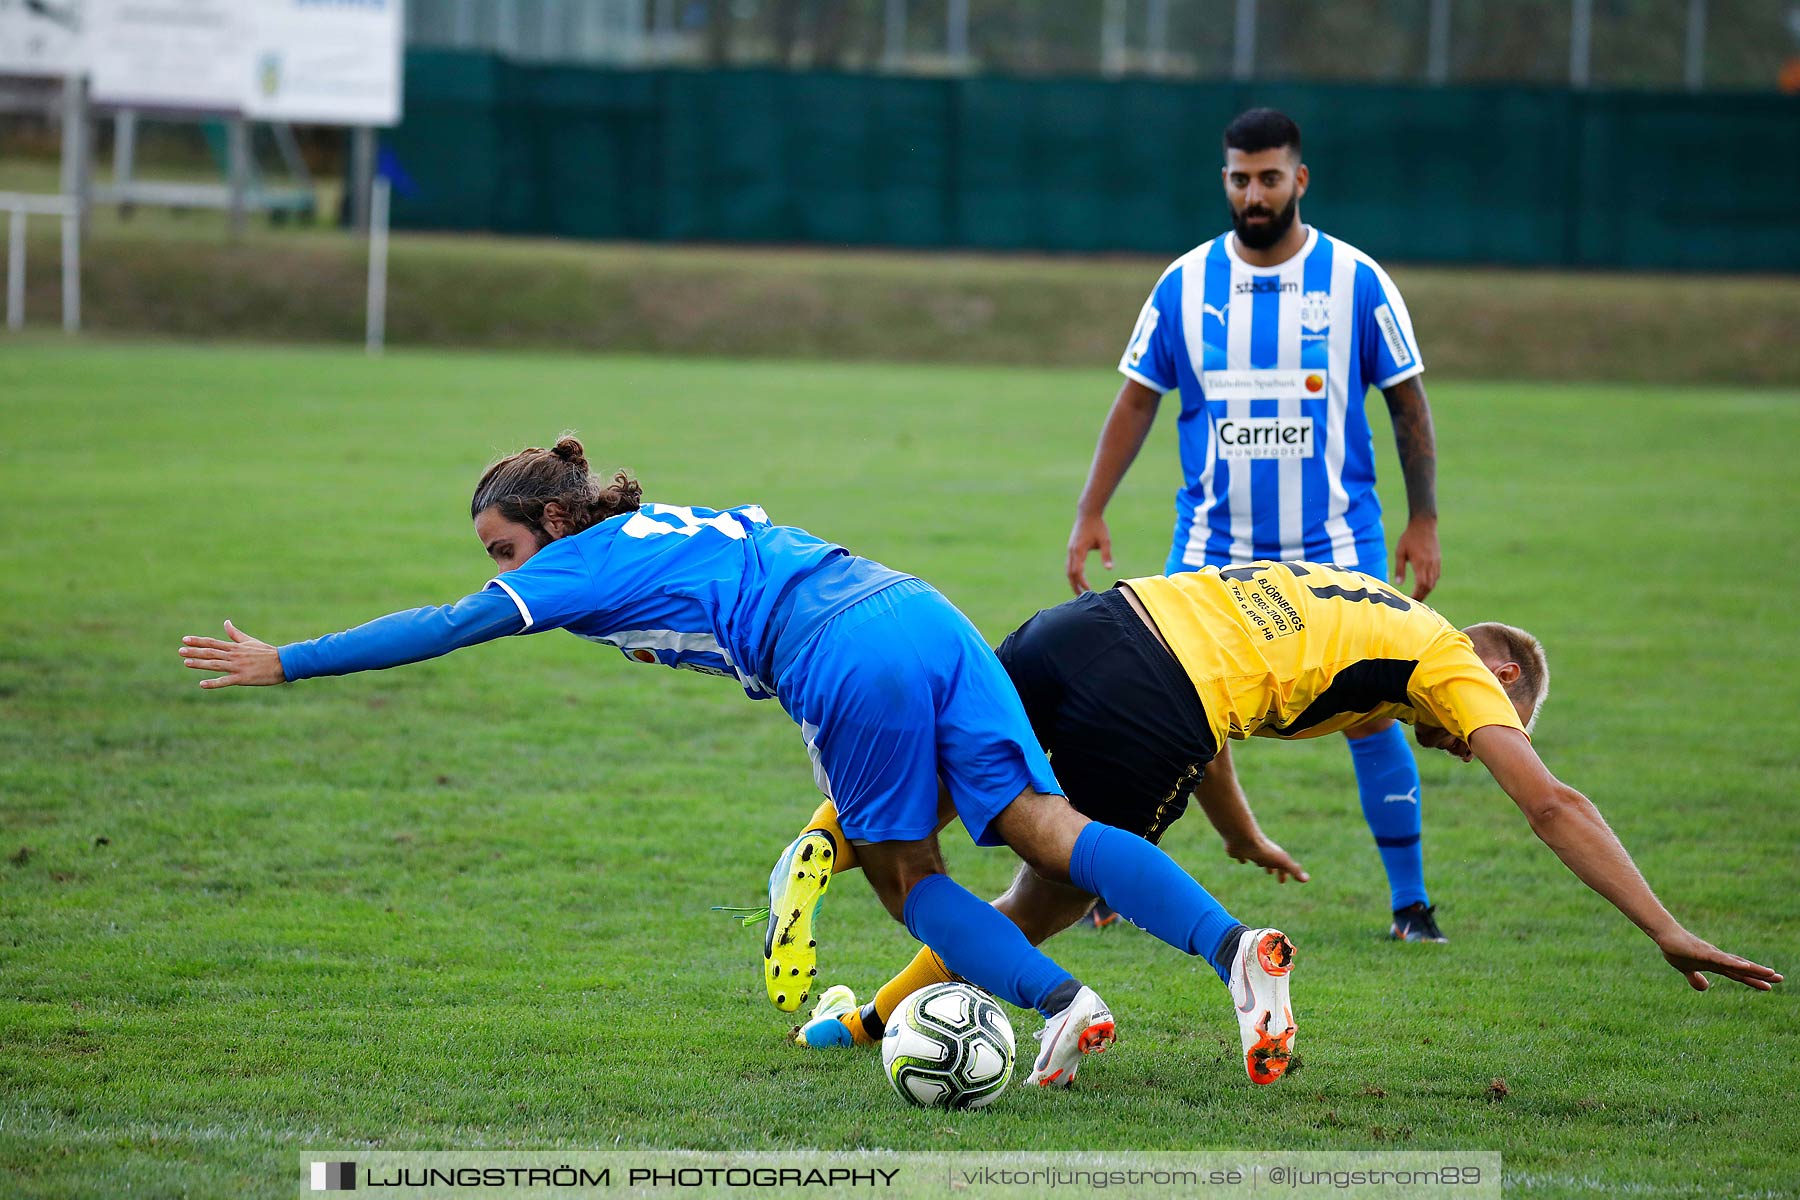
(243, 660)
(1691, 955)
(1270, 858)
(1418, 547)
(1088, 535)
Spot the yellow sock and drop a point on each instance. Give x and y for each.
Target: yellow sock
(825, 818)
(853, 1021)
(925, 969)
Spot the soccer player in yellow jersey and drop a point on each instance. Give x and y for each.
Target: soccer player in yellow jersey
(1136, 692)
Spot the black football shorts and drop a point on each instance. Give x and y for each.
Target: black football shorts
(1123, 726)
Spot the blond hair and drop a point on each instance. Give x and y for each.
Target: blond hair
(1515, 645)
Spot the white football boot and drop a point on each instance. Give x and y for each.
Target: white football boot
(1259, 990)
(825, 1028)
(1084, 1027)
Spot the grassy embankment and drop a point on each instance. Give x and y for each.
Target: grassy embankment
(172, 276)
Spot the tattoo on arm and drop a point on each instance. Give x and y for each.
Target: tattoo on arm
(1417, 444)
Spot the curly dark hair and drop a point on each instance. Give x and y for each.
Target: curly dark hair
(520, 485)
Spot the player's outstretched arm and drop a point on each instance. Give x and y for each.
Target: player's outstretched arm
(1223, 802)
(1569, 824)
(1127, 425)
(390, 641)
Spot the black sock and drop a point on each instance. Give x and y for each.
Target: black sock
(1061, 996)
(1221, 955)
(872, 1024)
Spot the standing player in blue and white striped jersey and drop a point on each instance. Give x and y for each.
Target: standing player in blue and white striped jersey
(1272, 334)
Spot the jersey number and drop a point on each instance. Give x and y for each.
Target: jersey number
(645, 523)
(1378, 594)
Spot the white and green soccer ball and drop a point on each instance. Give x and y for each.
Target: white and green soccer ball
(948, 1046)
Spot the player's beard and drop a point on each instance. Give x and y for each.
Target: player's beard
(1261, 237)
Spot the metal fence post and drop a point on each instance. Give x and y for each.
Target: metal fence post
(1112, 37)
(15, 270)
(362, 172)
(77, 168)
(376, 327)
(1156, 35)
(1437, 54)
(1696, 45)
(124, 150)
(506, 19)
(1243, 55)
(662, 39)
(1581, 41)
(237, 156)
(71, 275)
(893, 34)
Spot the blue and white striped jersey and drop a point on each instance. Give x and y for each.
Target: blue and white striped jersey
(1272, 365)
(693, 588)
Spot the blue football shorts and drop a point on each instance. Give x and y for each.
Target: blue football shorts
(897, 691)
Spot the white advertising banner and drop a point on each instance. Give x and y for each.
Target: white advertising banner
(43, 37)
(328, 62)
(178, 54)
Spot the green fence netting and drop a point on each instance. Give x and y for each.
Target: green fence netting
(1511, 175)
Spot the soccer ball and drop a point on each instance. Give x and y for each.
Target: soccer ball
(948, 1046)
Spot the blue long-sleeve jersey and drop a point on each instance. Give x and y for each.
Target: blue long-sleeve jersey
(405, 637)
(722, 592)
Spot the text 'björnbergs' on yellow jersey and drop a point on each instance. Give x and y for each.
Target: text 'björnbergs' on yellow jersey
(1292, 650)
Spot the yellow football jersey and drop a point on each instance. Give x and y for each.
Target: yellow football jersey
(1293, 649)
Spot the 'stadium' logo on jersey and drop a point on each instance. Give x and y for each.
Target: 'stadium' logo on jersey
(1264, 286)
(1315, 315)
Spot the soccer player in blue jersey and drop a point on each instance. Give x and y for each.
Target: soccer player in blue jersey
(1271, 334)
(891, 686)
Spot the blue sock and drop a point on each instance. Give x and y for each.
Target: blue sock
(1387, 778)
(1148, 889)
(978, 942)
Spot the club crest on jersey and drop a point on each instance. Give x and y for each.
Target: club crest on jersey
(1315, 312)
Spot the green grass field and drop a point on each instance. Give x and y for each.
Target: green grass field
(464, 904)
